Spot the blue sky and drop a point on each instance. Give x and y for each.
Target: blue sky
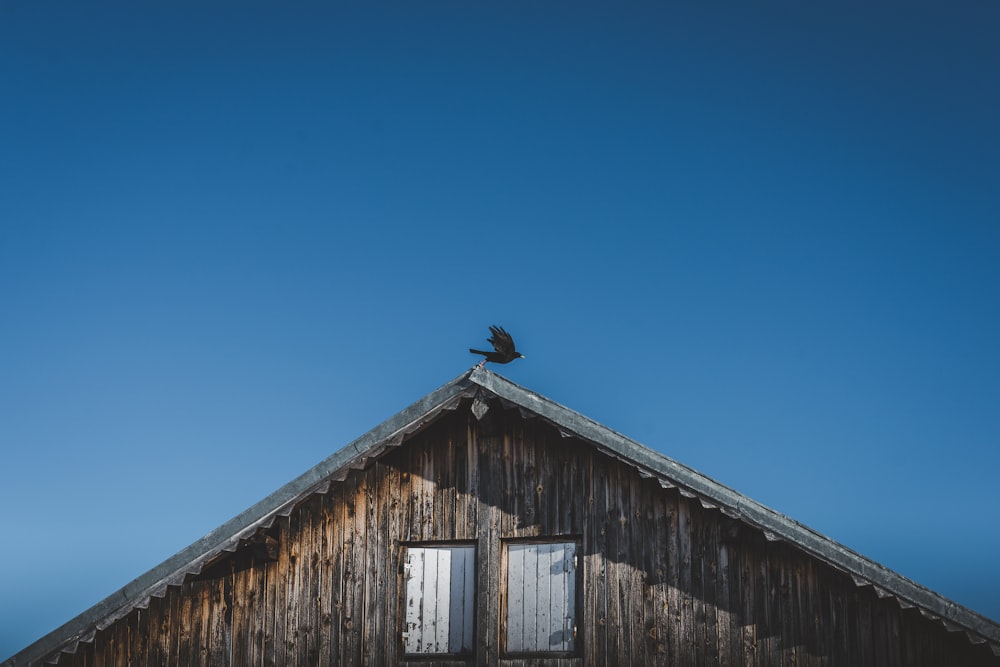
(761, 238)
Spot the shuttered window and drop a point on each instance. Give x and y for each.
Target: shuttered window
(440, 599)
(541, 598)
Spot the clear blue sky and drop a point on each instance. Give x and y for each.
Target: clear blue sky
(761, 238)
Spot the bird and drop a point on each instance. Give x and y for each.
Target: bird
(504, 346)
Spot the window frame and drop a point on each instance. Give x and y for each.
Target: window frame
(404, 560)
(504, 593)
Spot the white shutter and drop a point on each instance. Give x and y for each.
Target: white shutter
(440, 599)
(541, 597)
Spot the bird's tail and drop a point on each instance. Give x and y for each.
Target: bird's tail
(478, 352)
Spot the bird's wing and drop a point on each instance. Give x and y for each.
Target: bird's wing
(501, 340)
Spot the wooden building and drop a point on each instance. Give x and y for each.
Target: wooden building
(487, 525)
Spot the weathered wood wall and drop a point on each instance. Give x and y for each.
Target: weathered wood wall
(665, 581)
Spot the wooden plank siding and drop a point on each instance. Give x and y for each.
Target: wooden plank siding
(664, 580)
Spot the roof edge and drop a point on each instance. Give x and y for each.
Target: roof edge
(767, 519)
(227, 536)
(191, 558)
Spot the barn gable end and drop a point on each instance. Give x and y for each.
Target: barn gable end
(664, 565)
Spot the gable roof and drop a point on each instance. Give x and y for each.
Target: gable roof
(392, 432)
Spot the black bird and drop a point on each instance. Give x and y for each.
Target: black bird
(504, 346)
